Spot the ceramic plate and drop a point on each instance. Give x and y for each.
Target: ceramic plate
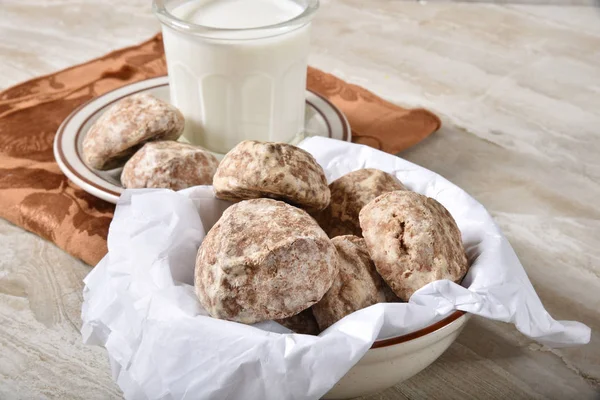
(322, 119)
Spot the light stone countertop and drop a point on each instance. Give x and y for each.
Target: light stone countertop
(518, 89)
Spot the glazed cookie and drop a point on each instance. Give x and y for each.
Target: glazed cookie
(276, 170)
(126, 126)
(169, 164)
(349, 194)
(263, 260)
(413, 241)
(357, 285)
(303, 322)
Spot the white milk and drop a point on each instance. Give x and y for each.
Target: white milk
(238, 85)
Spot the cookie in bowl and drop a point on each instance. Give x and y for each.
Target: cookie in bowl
(254, 169)
(303, 322)
(356, 286)
(413, 240)
(263, 260)
(126, 126)
(169, 164)
(349, 194)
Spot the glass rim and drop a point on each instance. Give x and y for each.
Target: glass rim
(168, 19)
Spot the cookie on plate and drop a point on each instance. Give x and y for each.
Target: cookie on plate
(279, 171)
(263, 260)
(357, 285)
(169, 164)
(303, 322)
(126, 126)
(413, 240)
(349, 194)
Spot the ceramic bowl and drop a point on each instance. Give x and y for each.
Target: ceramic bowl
(394, 360)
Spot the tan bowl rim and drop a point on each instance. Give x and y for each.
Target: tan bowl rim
(421, 332)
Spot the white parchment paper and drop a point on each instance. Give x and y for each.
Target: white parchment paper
(139, 301)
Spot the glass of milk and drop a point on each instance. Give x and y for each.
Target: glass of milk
(237, 68)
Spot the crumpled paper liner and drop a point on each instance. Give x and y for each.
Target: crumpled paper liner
(140, 303)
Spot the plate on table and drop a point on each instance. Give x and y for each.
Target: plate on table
(322, 119)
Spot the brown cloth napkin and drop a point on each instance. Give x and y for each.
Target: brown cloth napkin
(35, 195)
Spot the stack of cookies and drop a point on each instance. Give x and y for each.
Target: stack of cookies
(139, 134)
(292, 248)
(295, 250)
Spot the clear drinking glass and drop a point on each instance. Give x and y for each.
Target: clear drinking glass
(236, 83)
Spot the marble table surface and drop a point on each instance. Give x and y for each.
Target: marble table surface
(518, 89)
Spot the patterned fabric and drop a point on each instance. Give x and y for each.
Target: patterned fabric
(35, 195)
